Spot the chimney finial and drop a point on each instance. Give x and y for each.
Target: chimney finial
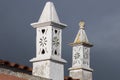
(82, 24)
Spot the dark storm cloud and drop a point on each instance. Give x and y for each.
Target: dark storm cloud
(17, 37)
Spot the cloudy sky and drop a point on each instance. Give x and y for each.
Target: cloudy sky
(102, 17)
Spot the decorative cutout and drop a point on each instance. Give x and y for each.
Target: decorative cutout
(43, 51)
(56, 41)
(77, 55)
(85, 55)
(43, 31)
(43, 41)
(55, 52)
(56, 31)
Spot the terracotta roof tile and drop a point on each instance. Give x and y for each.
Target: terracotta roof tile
(15, 65)
(11, 64)
(9, 77)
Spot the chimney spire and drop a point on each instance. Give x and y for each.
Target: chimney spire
(48, 60)
(48, 17)
(81, 37)
(49, 13)
(81, 56)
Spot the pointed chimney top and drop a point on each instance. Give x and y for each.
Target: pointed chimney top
(49, 17)
(81, 37)
(49, 13)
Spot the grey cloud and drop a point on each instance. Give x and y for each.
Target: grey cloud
(17, 37)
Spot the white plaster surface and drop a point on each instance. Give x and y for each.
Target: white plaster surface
(49, 14)
(49, 69)
(81, 58)
(47, 34)
(78, 59)
(56, 43)
(81, 36)
(81, 74)
(47, 64)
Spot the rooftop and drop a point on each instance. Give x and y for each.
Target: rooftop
(9, 77)
(17, 67)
